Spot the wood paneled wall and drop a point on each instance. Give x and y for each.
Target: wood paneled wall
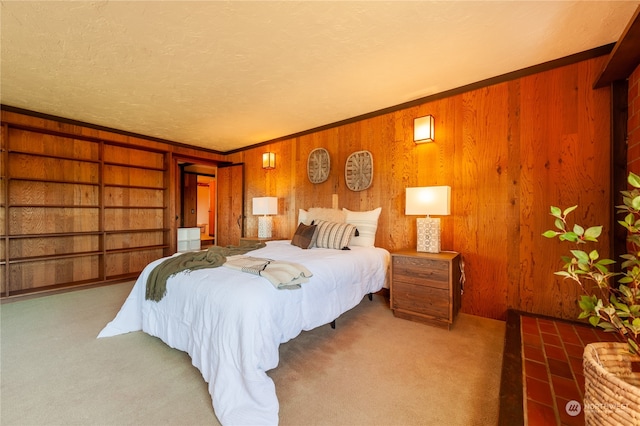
(508, 151)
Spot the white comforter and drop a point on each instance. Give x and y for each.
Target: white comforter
(231, 323)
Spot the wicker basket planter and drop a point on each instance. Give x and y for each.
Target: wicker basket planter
(612, 388)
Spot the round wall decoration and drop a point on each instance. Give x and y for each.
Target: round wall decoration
(318, 165)
(358, 171)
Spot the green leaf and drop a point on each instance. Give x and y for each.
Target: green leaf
(569, 210)
(634, 180)
(559, 224)
(569, 236)
(629, 219)
(593, 255)
(593, 232)
(581, 256)
(578, 230)
(550, 234)
(587, 303)
(594, 321)
(563, 274)
(601, 268)
(635, 203)
(626, 291)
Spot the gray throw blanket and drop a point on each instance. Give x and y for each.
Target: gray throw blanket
(213, 257)
(280, 273)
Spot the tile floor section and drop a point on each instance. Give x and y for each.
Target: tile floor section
(552, 368)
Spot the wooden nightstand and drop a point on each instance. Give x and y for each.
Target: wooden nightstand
(425, 287)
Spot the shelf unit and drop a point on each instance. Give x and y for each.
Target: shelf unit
(77, 210)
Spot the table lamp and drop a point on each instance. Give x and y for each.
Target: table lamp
(265, 206)
(428, 200)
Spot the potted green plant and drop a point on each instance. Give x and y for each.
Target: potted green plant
(610, 300)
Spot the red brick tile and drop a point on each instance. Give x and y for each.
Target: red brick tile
(608, 337)
(553, 368)
(551, 339)
(537, 370)
(533, 353)
(555, 352)
(532, 340)
(559, 368)
(565, 388)
(540, 415)
(574, 350)
(580, 382)
(529, 325)
(576, 365)
(539, 391)
(587, 335)
(568, 334)
(547, 326)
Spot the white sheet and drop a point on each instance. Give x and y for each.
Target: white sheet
(231, 323)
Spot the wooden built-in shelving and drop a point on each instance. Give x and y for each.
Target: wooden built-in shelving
(78, 210)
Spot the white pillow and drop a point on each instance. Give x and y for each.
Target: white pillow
(323, 213)
(333, 235)
(366, 223)
(303, 217)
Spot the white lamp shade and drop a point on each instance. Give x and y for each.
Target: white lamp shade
(428, 200)
(265, 205)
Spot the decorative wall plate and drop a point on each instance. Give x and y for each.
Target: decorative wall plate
(318, 165)
(358, 171)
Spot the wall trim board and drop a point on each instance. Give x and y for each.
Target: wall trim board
(545, 66)
(625, 55)
(36, 114)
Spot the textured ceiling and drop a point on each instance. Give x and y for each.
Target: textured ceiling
(227, 74)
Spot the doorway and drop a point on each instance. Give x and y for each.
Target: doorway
(198, 200)
(205, 209)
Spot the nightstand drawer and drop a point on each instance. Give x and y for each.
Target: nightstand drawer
(424, 272)
(420, 299)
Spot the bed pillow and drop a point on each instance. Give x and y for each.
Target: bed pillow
(334, 235)
(327, 214)
(303, 217)
(303, 237)
(367, 225)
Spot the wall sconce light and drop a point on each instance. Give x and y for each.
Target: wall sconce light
(424, 129)
(269, 160)
(265, 206)
(428, 200)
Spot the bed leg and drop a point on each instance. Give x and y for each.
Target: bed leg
(333, 324)
(370, 296)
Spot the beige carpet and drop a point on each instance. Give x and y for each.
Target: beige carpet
(373, 369)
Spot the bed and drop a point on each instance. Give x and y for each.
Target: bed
(231, 322)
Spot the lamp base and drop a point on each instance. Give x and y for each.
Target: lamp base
(265, 226)
(428, 235)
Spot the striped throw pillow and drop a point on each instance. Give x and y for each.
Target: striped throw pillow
(334, 235)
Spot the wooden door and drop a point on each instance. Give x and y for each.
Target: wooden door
(189, 200)
(212, 208)
(230, 208)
